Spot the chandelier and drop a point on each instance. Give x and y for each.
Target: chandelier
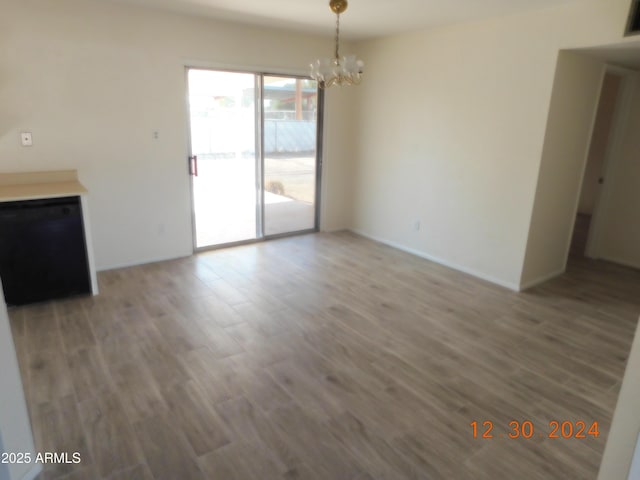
(338, 70)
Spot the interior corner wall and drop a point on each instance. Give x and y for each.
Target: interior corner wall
(619, 240)
(574, 101)
(93, 79)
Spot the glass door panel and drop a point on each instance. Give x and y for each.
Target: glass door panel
(223, 140)
(290, 107)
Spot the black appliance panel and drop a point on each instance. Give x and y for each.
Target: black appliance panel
(43, 253)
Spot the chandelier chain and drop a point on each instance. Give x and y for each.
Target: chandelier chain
(338, 37)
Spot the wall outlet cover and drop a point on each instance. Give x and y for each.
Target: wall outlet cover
(26, 139)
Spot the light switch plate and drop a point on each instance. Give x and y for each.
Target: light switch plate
(26, 139)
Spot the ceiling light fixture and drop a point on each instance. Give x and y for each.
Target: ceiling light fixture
(338, 70)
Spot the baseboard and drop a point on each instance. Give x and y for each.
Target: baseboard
(496, 281)
(105, 268)
(540, 279)
(33, 473)
(618, 261)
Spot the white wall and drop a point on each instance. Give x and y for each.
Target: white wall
(625, 425)
(14, 419)
(574, 102)
(93, 79)
(451, 126)
(619, 240)
(339, 159)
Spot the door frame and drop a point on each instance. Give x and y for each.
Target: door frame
(259, 76)
(611, 156)
(319, 159)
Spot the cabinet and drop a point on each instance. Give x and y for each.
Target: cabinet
(45, 237)
(43, 254)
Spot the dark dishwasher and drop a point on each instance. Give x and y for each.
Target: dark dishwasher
(43, 254)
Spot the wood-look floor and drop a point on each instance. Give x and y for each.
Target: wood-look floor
(324, 356)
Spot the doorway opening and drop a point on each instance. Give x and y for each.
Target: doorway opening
(255, 155)
(598, 160)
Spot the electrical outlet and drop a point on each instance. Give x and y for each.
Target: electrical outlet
(26, 139)
(416, 226)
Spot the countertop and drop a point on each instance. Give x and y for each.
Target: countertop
(36, 185)
(9, 193)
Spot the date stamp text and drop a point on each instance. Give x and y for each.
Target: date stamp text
(526, 429)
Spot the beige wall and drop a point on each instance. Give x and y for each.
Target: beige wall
(92, 80)
(625, 425)
(14, 419)
(599, 143)
(451, 127)
(574, 102)
(339, 122)
(619, 240)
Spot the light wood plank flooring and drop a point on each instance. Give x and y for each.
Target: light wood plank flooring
(324, 356)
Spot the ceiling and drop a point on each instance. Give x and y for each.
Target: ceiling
(364, 18)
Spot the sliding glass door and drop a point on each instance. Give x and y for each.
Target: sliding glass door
(224, 156)
(290, 157)
(254, 160)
